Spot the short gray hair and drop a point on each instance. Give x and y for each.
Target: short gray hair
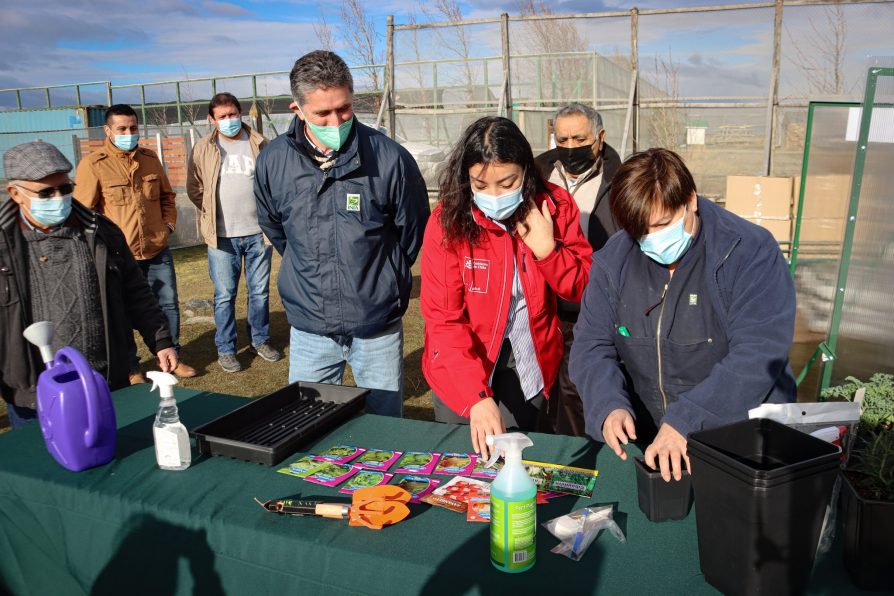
(589, 113)
(318, 70)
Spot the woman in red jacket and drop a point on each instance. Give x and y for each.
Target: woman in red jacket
(498, 249)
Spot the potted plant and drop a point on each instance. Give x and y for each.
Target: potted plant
(867, 494)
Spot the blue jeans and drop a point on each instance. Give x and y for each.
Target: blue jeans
(159, 272)
(225, 268)
(377, 363)
(19, 417)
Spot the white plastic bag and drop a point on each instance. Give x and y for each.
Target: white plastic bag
(578, 529)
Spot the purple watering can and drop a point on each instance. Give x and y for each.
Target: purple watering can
(74, 405)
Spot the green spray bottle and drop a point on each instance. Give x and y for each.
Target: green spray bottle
(513, 506)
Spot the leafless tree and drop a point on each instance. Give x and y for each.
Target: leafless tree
(450, 11)
(324, 33)
(819, 55)
(666, 120)
(193, 112)
(555, 37)
(361, 40)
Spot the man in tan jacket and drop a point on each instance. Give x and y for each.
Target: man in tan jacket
(220, 182)
(128, 184)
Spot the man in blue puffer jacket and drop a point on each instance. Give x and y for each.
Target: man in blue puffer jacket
(687, 319)
(346, 207)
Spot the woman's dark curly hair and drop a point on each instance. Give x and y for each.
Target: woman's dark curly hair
(489, 140)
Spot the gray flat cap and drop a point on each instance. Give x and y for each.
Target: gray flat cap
(34, 161)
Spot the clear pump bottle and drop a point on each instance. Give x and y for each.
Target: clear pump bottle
(172, 450)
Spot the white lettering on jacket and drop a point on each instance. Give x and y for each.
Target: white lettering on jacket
(476, 274)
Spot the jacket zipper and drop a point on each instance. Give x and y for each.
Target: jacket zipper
(658, 344)
(490, 346)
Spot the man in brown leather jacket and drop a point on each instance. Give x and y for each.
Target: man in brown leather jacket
(128, 184)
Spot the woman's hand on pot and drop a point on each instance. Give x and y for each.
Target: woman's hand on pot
(485, 419)
(537, 231)
(618, 428)
(670, 448)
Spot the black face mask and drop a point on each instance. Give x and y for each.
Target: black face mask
(577, 160)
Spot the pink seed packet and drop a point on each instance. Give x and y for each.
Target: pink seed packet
(340, 454)
(377, 459)
(364, 479)
(330, 474)
(417, 462)
(456, 464)
(479, 471)
(418, 486)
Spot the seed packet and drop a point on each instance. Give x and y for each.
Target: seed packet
(330, 474)
(562, 479)
(479, 510)
(418, 486)
(446, 503)
(461, 488)
(364, 479)
(417, 462)
(377, 459)
(544, 497)
(479, 471)
(340, 454)
(301, 468)
(456, 464)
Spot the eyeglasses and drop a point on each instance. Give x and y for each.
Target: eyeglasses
(50, 191)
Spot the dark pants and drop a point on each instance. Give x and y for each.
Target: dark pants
(19, 416)
(517, 413)
(564, 410)
(159, 272)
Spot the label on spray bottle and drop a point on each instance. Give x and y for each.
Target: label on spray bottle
(513, 527)
(169, 446)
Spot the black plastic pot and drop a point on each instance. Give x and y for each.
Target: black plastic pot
(868, 538)
(660, 500)
(761, 492)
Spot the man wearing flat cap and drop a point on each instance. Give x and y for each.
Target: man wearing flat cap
(64, 263)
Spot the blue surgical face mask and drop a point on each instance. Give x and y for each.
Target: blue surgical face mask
(126, 142)
(668, 245)
(50, 212)
(498, 207)
(230, 127)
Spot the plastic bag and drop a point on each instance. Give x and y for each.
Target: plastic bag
(578, 529)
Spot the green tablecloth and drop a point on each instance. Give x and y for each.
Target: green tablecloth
(129, 527)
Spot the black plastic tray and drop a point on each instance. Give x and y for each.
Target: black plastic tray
(270, 428)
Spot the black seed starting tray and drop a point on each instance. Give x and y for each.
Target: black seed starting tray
(270, 428)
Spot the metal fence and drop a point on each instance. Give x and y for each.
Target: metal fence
(725, 86)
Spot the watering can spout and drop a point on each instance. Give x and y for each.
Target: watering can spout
(41, 335)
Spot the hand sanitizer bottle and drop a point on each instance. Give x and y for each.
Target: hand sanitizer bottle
(513, 507)
(172, 449)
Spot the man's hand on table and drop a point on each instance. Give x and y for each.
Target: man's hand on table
(670, 448)
(485, 419)
(618, 428)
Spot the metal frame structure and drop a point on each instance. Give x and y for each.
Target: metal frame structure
(826, 350)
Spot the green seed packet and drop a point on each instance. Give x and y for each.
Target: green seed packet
(302, 468)
(562, 479)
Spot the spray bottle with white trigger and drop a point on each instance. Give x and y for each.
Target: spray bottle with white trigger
(172, 449)
(513, 508)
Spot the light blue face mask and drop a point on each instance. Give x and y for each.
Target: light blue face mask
(668, 245)
(499, 207)
(333, 137)
(230, 127)
(126, 142)
(50, 212)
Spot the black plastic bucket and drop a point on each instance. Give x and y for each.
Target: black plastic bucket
(761, 491)
(660, 500)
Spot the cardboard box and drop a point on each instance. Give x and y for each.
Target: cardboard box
(781, 229)
(821, 229)
(826, 196)
(759, 196)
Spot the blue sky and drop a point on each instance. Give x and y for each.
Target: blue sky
(64, 41)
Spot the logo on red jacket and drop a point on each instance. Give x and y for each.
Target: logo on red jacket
(476, 275)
